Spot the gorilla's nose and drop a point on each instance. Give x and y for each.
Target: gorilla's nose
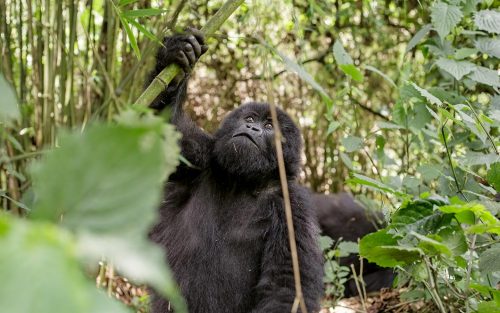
(255, 129)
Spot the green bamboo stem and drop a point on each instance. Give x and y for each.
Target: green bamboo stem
(165, 77)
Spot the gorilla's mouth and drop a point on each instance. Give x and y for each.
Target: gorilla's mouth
(247, 136)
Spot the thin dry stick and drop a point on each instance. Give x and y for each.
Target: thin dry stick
(299, 297)
(356, 281)
(161, 81)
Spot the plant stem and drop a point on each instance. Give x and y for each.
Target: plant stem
(161, 81)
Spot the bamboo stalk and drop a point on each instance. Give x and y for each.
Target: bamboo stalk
(161, 81)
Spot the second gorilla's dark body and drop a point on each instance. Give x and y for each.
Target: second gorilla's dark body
(222, 221)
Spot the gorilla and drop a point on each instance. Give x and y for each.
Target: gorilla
(222, 220)
(341, 218)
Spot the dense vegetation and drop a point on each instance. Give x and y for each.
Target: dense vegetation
(398, 102)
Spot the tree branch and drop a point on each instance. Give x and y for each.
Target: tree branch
(161, 81)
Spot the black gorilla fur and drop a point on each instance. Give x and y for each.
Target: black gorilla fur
(340, 216)
(222, 221)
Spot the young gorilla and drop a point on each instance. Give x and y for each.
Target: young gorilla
(222, 222)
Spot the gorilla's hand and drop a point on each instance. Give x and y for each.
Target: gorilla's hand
(182, 49)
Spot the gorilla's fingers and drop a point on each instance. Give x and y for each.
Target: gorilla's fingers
(189, 52)
(204, 49)
(198, 34)
(196, 45)
(183, 61)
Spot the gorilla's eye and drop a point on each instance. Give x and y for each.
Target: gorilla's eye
(268, 126)
(249, 119)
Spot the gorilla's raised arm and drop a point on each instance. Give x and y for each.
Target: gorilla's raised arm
(183, 50)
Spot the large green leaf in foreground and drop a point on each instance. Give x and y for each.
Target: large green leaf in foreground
(40, 272)
(105, 186)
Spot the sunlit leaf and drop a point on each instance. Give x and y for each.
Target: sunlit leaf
(457, 69)
(485, 76)
(352, 71)
(489, 46)
(382, 248)
(445, 17)
(488, 20)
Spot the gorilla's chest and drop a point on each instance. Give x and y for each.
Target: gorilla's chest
(214, 241)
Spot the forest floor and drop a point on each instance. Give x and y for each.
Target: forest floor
(385, 301)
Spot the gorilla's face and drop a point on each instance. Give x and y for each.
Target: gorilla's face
(245, 142)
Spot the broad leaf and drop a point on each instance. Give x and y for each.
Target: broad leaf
(489, 46)
(430, 246)
(445, 17)
(108, 187)
(9, 111)
(39, 260)
(381, 248)
(489, 261)
(485, 76)
(463, 53)
(457, 69)
(488, 20)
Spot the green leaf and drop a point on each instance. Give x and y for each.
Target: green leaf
(303, 74)
(418, 37)
(39, 259)
(381, 248)
(445, 17)
(454, 238)
(488, 20)
(352, 143)
(9, 111)
(427, 95)
(489, 46)
(352, 71)
(348, 247)
(457, 69)
(488, 307)
(388, 125)
(485, 76)
(142, 13)
(126, 2)
(144, 31)
(472, 158)
(346, 160)
(325, 243)
(131, 36)
(478, 209)
(463, 53)
(430, 246)
(340, 55)
(367, 181)
(489, 261)
(493, 176)
(111, 205)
